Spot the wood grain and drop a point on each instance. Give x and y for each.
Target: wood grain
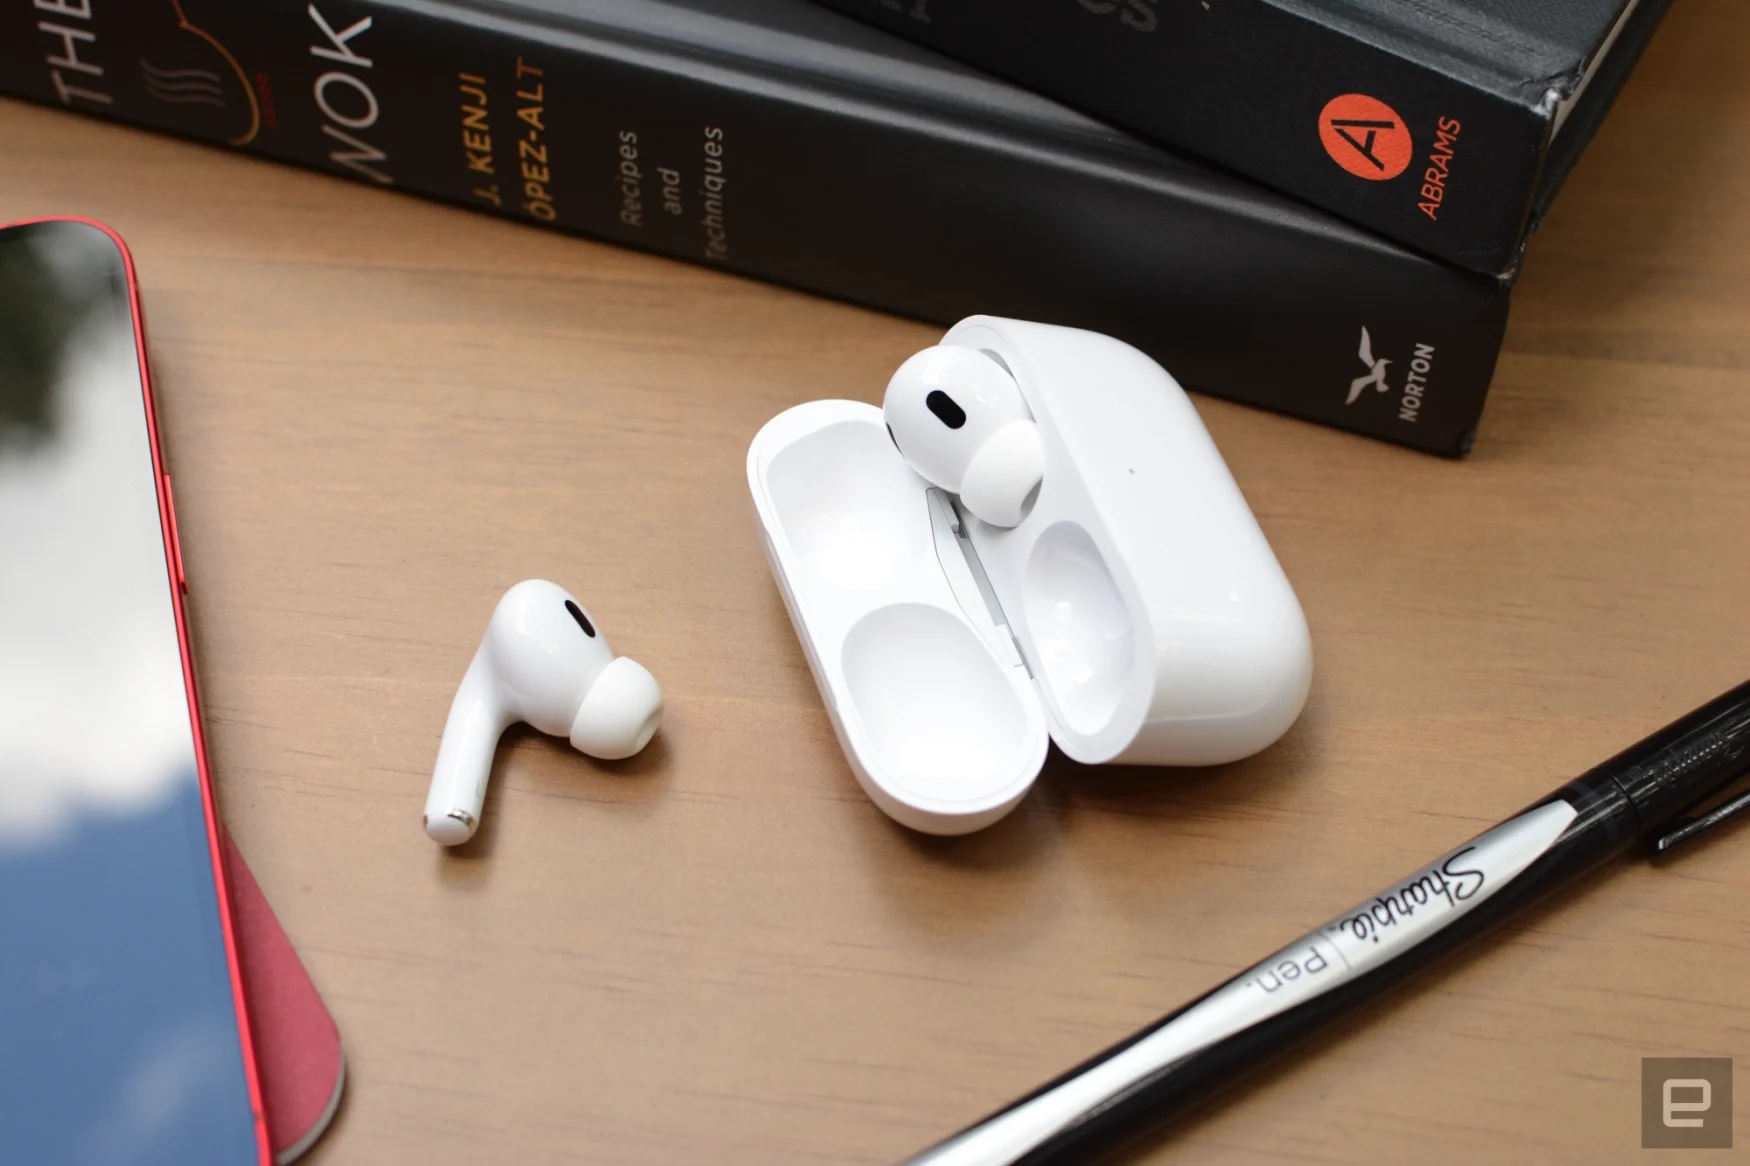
(381, 412)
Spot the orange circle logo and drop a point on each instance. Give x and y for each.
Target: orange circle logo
(1365, 136)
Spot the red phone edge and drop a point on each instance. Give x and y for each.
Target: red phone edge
(215, 857)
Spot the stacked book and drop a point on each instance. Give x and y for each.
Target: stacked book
(1316, 206)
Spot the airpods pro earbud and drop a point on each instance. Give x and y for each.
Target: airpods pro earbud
(545, 663)
(960, 420)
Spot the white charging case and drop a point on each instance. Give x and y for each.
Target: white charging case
(1136, 615)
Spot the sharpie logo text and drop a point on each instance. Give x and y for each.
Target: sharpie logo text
(1449, 884)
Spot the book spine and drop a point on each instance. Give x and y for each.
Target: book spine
(885, 206)
(1373, 136)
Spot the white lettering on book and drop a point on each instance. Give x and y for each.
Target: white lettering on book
(715, 182)
(70, 55)
(345, 99)
(1416, 382)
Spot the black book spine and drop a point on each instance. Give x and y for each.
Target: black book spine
(887, 203)
(1418, 154)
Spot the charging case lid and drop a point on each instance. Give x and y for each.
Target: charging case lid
(942, 727)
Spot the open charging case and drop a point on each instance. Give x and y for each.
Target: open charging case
(1136, 615)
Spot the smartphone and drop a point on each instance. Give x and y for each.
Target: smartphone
(124, 1037)
(297, 1044)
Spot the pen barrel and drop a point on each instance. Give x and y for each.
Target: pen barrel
(1352, 961)
(1065, 1122)
(1684, 764)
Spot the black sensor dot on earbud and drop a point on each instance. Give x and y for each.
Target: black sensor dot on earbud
(582, 619)
(946, 410)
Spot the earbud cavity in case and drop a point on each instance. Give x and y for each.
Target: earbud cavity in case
(1134, 615)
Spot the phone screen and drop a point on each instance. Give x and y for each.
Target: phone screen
(119, 1037)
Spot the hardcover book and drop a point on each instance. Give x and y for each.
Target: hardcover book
(1444, 124)
(780, 140)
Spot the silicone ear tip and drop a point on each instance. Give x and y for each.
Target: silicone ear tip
(620, 713)
(1004, 473)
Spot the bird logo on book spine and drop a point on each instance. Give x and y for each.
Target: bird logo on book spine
(1375, 374)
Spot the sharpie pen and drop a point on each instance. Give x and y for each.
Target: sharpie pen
(1654, 793)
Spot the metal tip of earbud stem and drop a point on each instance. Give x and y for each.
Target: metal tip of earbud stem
(453, 829)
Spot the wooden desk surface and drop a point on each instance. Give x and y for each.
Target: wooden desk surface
(381, 412)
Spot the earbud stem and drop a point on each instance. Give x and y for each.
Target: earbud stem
(478, 718)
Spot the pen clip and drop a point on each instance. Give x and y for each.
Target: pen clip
(1686, 828)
